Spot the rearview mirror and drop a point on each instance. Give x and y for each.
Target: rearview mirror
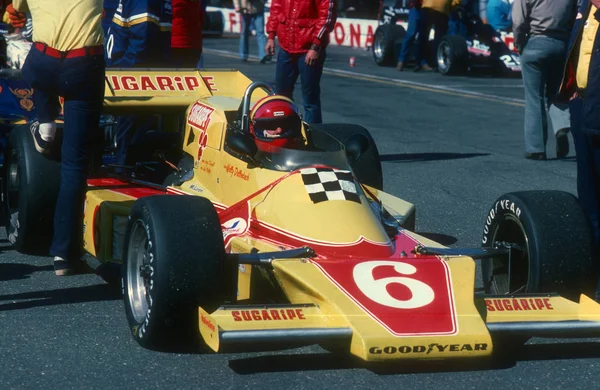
(355, 147)
(242, 144)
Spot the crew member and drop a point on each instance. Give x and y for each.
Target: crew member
(434, 14)
(140, 36)
(581, 86)
(186, 36)
(303, 28)
(66, 60)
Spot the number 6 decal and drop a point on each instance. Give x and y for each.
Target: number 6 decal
(376, 290)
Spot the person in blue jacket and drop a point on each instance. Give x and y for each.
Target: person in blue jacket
(110, 7)
(140, 36)
(499, 14)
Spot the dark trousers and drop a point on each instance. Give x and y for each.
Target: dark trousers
(428, 50)
(289, 67)
(80, 81)
(185, 58)
(414, 22)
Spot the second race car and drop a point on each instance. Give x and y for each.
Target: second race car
(470, 44)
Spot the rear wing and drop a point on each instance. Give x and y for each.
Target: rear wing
(141, 89)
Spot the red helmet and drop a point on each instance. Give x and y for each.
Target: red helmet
(275, 123)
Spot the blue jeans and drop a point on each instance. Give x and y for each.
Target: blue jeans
(414, 19)
(80, 81)
(542, 63)
(258, 21)
(289, 67)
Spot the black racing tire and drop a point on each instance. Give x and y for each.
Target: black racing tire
(174, 244)
(452, 55)
(31, 187)
(367, 167)
(555, 240)
(384, 43)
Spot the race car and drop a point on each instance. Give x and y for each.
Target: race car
(245, 242)
(473, 45)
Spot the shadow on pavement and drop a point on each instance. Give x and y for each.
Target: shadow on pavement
(443, 239)
(9, 271)
(98, 292)
(415, 157)
(328, 361)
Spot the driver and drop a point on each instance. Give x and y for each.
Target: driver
(275, 123)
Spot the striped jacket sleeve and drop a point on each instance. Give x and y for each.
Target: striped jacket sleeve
(136, 28)
(326, 20)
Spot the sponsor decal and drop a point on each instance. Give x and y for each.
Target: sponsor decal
(158, 83)
(199, 116)
(504, 204)
(427, 349)
(268, 315)
(236, 222)
(207, 322)
(236, 172)
(408, 298)
(518, 304)
(194, 187)
(476, 47)
(206, 166)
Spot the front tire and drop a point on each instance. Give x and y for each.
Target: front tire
(173, 263)
(554, 245)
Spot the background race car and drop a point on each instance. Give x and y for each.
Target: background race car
(469, 43)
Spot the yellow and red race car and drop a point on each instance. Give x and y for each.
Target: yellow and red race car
(247, 246)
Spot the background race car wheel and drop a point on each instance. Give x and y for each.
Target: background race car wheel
(367, 167)
(452, 55)
(553, 245)
(31, 189)
(386, 38)
(173, 263)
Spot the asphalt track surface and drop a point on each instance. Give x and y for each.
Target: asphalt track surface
(449, 145)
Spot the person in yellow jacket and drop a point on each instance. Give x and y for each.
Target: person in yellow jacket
(434, 14)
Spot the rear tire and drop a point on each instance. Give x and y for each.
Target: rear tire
(367, 167)
(555, 240)
(384, 43)
(173, 263)
(31, 186)
(452, 55)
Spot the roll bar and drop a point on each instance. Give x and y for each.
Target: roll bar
(268, 88)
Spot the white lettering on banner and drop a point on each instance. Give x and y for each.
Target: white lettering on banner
(199, 116)
(376, 290)
(347, 32)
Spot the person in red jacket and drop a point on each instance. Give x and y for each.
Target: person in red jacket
(186, 33)
(302, 27)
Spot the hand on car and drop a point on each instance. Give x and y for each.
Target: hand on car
(311, 57)
(270, 47)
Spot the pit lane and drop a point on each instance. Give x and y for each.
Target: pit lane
(444, 148)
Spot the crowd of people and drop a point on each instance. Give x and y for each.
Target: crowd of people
(74, 42)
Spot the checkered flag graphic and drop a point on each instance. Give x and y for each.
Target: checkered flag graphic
(323, 184)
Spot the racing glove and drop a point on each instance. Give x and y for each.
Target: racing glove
(17, 19)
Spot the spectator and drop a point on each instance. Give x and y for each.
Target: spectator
(303, 29)
(253, 14)
(140, 36)
(434, 14)
(186, 36)
(414, 19)
(541, 31)
(499, 14)
(581, 87)
(66, 60)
